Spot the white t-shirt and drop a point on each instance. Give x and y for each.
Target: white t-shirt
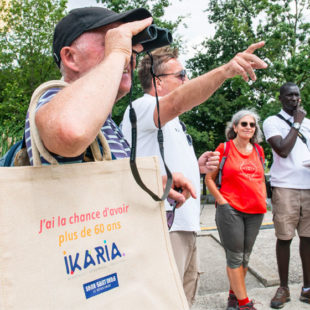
(289, 172)
(179, 156)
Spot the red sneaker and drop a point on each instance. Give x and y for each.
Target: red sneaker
(232, 302)
(248, 306)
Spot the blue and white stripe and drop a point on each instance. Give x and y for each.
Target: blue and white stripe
(118, 145)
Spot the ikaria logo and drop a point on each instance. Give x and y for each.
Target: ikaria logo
(100, 254)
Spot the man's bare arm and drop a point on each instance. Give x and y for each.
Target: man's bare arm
(283, 146)
(198, 90)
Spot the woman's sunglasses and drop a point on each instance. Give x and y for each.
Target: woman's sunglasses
(245, 124)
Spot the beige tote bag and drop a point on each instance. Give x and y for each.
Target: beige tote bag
(84, 236)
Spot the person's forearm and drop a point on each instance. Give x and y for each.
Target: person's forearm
(213, 189)
(198, 90)
(283, 147)
(191, 94)
(288, 143)
(73, 118)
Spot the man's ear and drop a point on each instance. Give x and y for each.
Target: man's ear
(158, 84)
(68, 58)
(280, 97)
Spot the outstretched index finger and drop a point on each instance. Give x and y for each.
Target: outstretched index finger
(253, 47)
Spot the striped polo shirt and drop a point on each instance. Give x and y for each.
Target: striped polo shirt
(117, 143)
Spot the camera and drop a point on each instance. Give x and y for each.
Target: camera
(152, 37)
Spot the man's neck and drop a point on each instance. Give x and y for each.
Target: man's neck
(290, 113)
(152, 93)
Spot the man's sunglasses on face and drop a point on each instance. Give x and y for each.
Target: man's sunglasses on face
(181, 74)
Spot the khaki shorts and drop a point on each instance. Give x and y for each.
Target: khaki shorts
(185, 254)
(291, 211)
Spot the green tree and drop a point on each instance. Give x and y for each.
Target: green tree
(25, 57)
(239, 23)
(157, 9)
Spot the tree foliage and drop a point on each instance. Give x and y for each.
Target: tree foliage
(26, 31)
(283, 26)
(25, 57)
(156, 7)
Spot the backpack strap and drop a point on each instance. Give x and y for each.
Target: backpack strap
(222, 163)
(268, 186)
(10, 155)
(259, 152)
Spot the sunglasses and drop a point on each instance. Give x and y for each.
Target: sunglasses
(170, 217)
(188, 136)
(171, 213)
(245, 124)
(181, 74)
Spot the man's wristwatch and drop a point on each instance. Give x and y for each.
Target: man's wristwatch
(296, 126)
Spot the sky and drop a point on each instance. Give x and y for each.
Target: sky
(198, 27)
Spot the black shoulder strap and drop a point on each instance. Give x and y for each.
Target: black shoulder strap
(160, 138)
(222, 163)
(259, 153)
(300, 135)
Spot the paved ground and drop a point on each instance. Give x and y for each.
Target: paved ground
(262, 279)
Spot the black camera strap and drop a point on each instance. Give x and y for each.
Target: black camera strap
(160, 138)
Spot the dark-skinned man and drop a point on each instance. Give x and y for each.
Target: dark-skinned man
(288, 133)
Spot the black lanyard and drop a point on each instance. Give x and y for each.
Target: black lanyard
(160, 138)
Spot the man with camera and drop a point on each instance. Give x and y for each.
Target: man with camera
(288, 133)
(177, 94)
(93, 47)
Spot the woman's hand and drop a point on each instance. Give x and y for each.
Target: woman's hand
(222, 201)
(210, 182)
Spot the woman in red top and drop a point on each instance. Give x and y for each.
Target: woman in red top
(241, 200)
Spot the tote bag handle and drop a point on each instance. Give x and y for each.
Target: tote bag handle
(37, 145)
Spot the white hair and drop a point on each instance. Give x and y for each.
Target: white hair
(230, 133)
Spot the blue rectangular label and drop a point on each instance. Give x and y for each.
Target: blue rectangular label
(101, 285)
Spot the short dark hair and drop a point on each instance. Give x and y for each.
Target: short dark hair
(160, 57)
(285, 85)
